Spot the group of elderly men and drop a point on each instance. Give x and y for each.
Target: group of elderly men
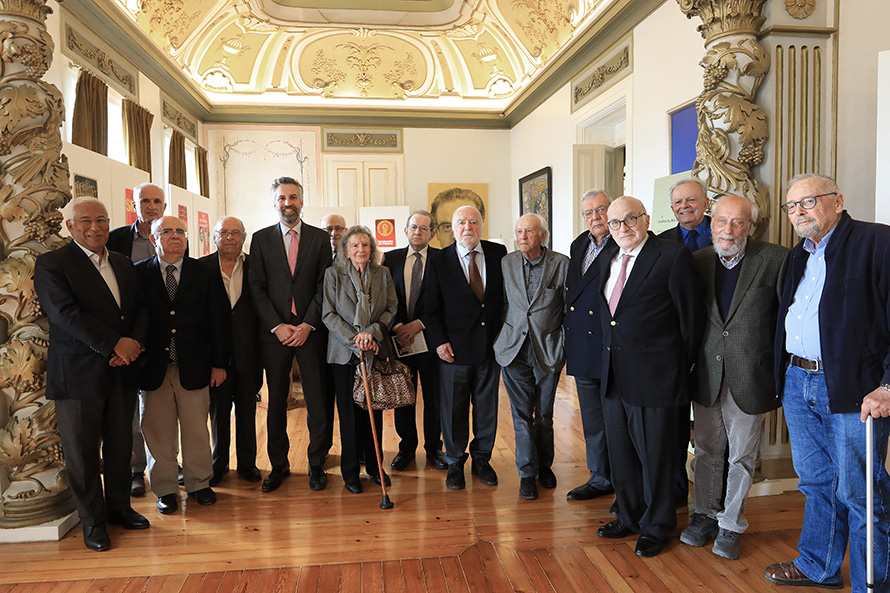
(702, 312)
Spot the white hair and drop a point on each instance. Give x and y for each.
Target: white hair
(69, 211)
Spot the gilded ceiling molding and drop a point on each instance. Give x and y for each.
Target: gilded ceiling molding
(168, 20)
(80, 47)
(362, 140)
(33, 186)
(172, 116)
(602, 75)
(800, 9)
(732, 127)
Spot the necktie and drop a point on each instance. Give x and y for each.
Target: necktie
(292, 262)
(416, 278)
(588, 257)
(619, 286)
(475, 277)
(171, 293)
(692, 240)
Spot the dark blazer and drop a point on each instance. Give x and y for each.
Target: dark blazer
(584, 330)
(652, 340)
(272, 286)
(675, 234)
(854, 313)
(245, 323)
(85, 322)
(395, 261)
(199, 317)
(738, 350)
(121, 240)
(454, 314)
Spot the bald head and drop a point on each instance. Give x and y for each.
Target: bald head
(531, 234)
(334, 225)
(628, 222)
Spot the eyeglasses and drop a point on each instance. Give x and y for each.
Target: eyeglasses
(807, 203)
(416, 227)
(168, 232)
(331, 229)
(629, 221)
(88, 222)
(588, 214)
(227, 234)
(735, 223)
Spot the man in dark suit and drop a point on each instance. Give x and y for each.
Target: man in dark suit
(741, 282)
(651, 336)
(97, 323)
(465, 303)
(133, 240)
(406, 266)
(244, 374)
(584, 338)
(187, 351)
(531, 348)
(831, 366)
(287, 267)
(334, 225)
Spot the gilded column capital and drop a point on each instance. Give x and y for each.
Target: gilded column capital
(721, 18)
(32, 9)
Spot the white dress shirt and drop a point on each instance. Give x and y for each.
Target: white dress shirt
(465, 261)
(234, 282)
(409, 268)
(286, 238)
(105, 270)
(615, 267)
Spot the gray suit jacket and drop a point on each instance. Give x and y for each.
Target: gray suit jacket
(739, 350)
(540, 319)
(338, 312)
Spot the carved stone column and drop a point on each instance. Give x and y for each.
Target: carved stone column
(732, 127)
(33, 186)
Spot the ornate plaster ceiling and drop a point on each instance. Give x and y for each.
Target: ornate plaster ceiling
(460, 55)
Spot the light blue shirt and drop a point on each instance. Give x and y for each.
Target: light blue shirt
(802, 320)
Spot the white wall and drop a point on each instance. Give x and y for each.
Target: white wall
(863, 34)
(882, 180)
(435, 155)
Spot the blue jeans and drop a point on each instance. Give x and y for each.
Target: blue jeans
(829, 457)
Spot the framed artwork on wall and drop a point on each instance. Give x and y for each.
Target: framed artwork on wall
(684, 134)
(536, 197)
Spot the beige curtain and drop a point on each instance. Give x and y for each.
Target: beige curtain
(177, 160)
(137, 135)
(203, 173)
(90, 123)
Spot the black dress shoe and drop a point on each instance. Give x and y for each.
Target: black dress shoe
(168, 504)
(95, 538)
(528, 489)
(204, 496)
(354, 485)
(587, 492)
(137, 485)
(614, 530)
(648, 546)
(401, 461)
(273, 480)
(251, 474)
(437, 460)
(376, 478)
(546, 477)
(128, 519)
(486, 473)
(318, 480)
(218, 476)
(455, 478)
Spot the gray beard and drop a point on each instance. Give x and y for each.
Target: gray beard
(733, 251)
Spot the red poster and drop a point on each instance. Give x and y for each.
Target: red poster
(184, 214)
(204, 232)
(386, 232)
(129, 206)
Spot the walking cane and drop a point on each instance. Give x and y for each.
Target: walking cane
(869, 504)
(387, 503)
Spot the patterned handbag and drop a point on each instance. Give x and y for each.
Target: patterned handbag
(390, 384)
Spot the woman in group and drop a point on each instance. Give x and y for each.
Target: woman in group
(359, 308)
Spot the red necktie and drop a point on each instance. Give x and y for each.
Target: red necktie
(619, 286)
(292, 261)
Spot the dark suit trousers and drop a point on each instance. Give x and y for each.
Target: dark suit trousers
(459, 386)
(642, 466)
(278, 361)
(590, 403)
(681, 479)
(355, 426)
(83, 425)
(426, 367)
(239, 389)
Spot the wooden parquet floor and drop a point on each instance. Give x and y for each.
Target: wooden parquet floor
(482, 539)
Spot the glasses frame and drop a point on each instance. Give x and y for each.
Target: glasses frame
(629, 221)
(789, 207)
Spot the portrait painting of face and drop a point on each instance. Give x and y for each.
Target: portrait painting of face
(445, 198)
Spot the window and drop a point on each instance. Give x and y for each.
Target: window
(116, 149)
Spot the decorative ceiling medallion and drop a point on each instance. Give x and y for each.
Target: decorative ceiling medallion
(800, 9)
(604, 73)
(362, 140)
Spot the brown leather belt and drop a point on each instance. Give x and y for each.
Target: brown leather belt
(806, 363)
